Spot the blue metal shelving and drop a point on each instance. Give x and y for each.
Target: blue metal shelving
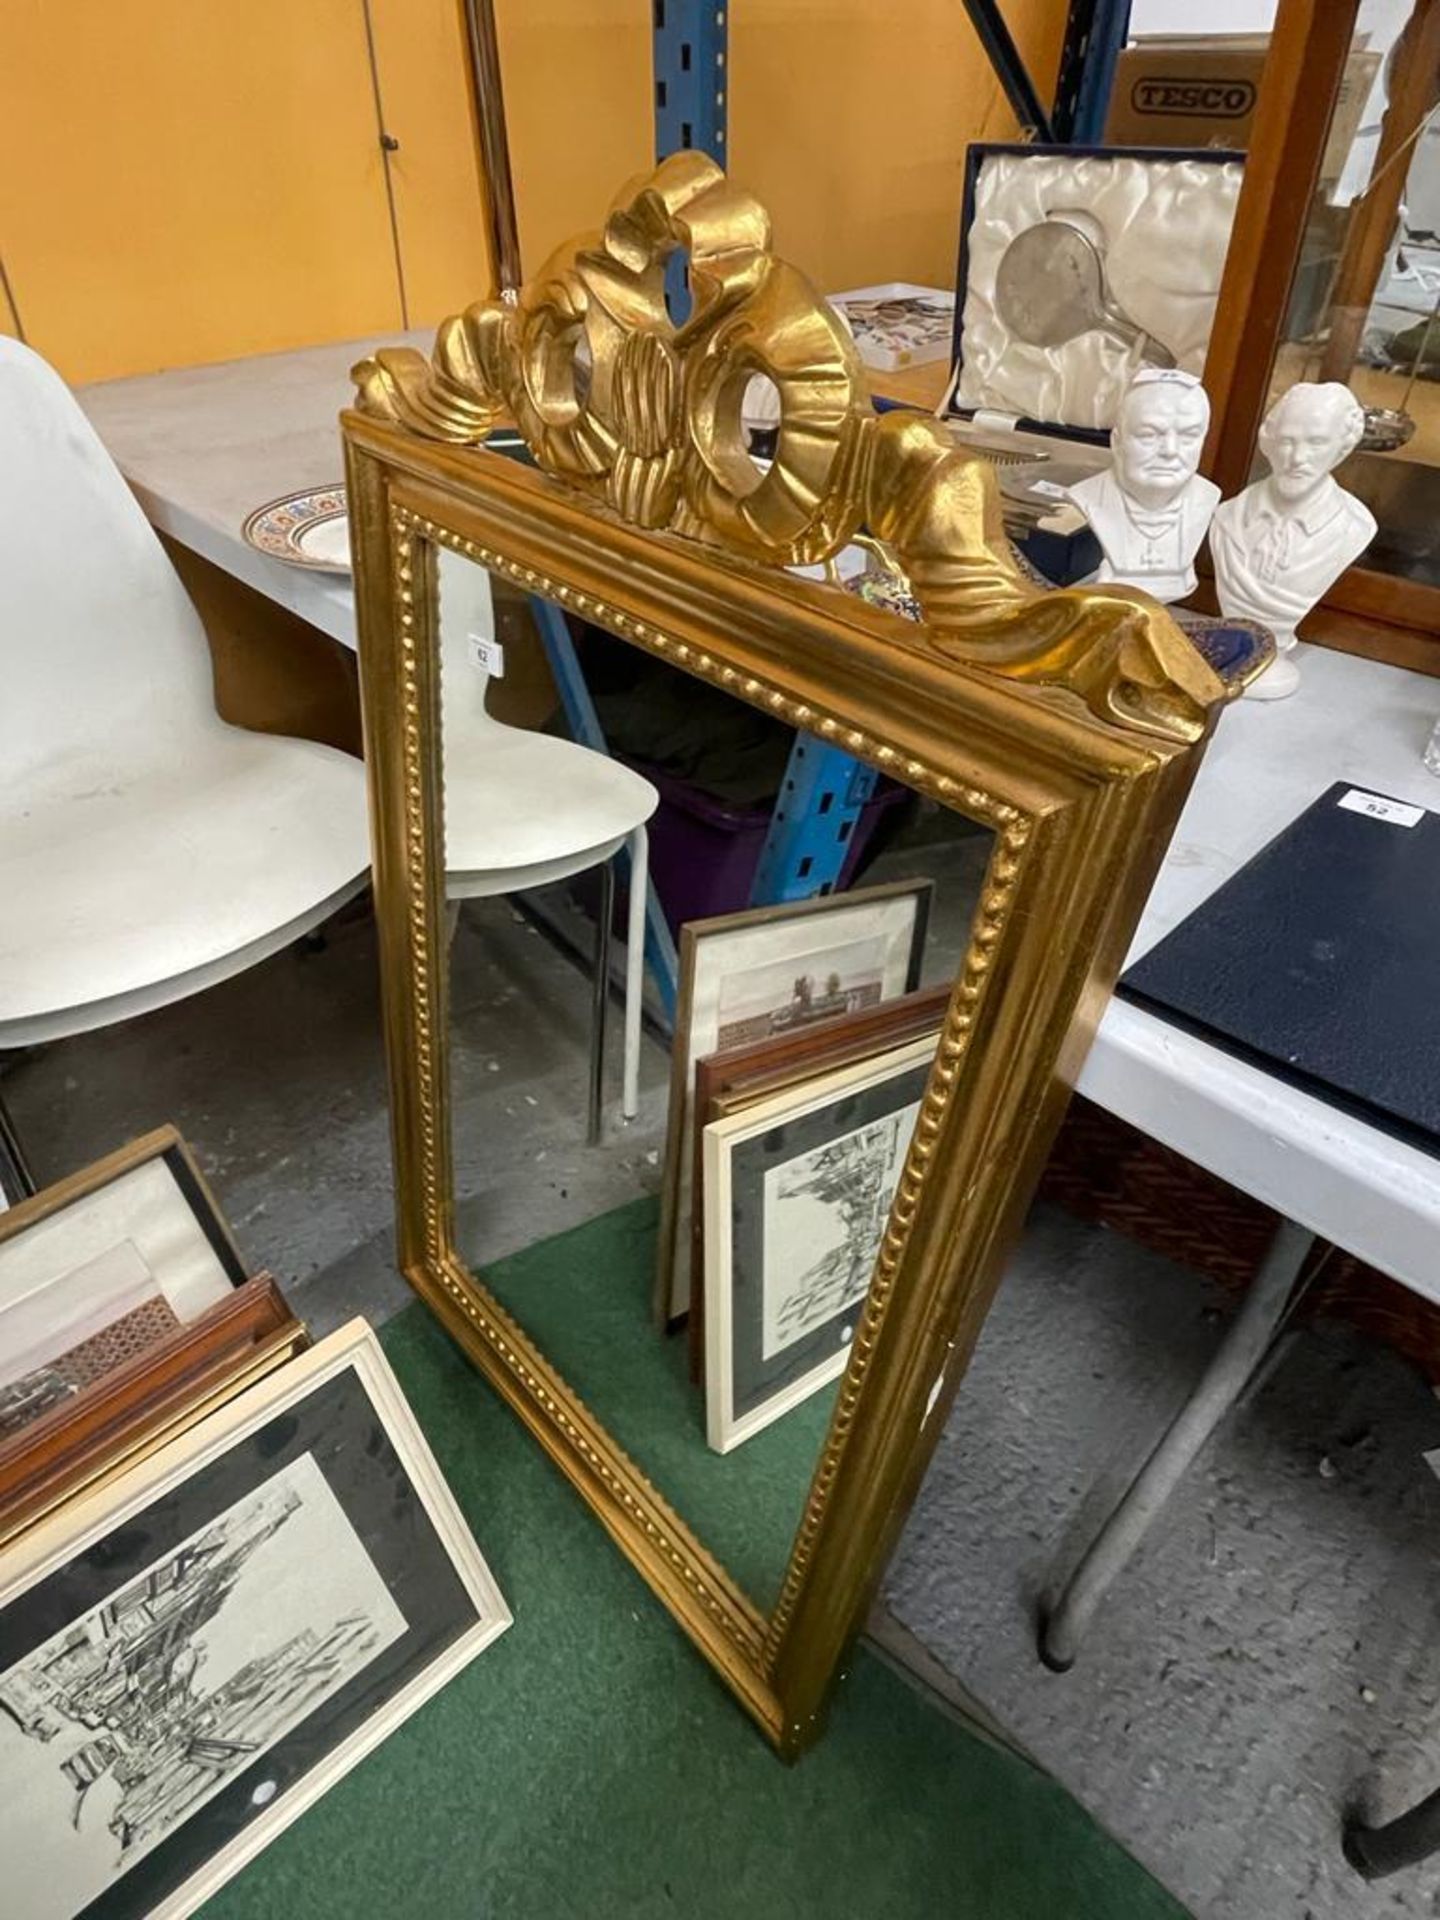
(824, 790)
(690, 82)
(1094, 34)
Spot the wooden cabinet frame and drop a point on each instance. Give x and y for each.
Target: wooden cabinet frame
(1366, 612)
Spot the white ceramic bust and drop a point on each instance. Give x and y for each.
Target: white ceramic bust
(1150, 508)
(1279, 546)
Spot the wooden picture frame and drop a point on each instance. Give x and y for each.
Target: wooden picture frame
(1069, 723)
(120, 1417)
(306, 1527)
(103, 1265)
(727, 953)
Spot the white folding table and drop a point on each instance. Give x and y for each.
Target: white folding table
(204, 446)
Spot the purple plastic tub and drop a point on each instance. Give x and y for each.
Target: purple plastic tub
(703, 853)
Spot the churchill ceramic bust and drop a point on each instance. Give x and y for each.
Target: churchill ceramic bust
(1282, 543)
(1150, 509)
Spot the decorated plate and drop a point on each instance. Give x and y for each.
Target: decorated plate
(309, 529)
(1238, 651)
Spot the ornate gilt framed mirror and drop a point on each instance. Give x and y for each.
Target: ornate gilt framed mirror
(1063, 726)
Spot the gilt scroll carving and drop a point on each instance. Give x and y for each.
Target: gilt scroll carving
(645, 416)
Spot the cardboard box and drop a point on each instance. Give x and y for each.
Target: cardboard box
(1202, 92)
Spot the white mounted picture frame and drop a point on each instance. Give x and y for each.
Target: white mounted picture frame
(192, 1655)
(798, 1191)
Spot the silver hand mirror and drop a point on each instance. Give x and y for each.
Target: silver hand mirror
(1050, 288)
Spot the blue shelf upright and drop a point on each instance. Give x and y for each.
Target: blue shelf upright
(689, 62)
(818, 808)
(690, 86)
(824, 789)
(1094, 34)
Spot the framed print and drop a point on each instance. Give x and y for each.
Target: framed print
(191, 1656)
(750, 976)
(726, 1083)
(100, 1266)
(104, 1427)
(1079, 265)
(798, 1189)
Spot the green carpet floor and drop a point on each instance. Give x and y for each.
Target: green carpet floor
(588, 1765)
(584, 1297)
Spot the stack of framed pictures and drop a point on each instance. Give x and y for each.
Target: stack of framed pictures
(228, 1563)
(801, 1052)
(124, 1306)
(797, 1190)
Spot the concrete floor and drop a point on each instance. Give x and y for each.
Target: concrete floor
(1273, 1651)
(1264, 1658)
(277, 1080)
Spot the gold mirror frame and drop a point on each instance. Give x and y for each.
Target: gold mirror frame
(1069, 722)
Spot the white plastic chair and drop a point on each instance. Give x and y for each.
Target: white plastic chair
(523, 809)
(147, 848)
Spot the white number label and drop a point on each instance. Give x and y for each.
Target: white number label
(1397, 812)
(487, 655)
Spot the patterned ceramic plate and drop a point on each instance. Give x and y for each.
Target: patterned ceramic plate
(308, 529)
(1238, 652)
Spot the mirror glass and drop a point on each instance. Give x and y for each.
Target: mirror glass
(1365, 308)
(697, 1273)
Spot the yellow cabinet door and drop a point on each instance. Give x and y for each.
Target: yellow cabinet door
(184, 182)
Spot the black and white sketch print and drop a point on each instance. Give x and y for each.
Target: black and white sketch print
(825, 1213)
(193, 1653)
(798, 1190)
(146, 1705)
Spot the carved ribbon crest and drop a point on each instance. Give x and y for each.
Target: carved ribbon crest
(613, 397)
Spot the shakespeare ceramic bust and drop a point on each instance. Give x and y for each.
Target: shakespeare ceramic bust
(1280, 545)
(1150, 509)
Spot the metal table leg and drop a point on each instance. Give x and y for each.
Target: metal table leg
(1402, 1842)
(1244, 1347)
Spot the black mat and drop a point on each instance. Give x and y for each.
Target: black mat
(1320, 961)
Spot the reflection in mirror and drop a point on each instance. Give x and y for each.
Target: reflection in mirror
(697, 1276)
(1365, 309)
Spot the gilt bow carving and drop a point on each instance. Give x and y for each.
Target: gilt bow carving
(611, 396)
